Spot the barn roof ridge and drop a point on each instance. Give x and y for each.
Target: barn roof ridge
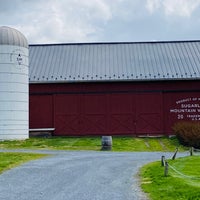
(117, 42)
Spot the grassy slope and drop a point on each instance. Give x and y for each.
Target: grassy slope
(174, 186)
(94, 143)
(10, 160)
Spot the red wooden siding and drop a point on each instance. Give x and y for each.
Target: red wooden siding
(113, 109)
(97, 114)
(41, 111)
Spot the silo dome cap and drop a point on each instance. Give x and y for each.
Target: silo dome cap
(11, 36)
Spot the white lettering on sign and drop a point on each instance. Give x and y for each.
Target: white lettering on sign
(187, 109)
(182, 110)
(196, 105)
(183, 100)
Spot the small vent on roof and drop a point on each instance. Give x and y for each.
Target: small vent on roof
(87, 75)
(51, 76)
(60, 76)
(131, 74)
(127, 76)
(78, 76)
(70, 76)
(185, 73)
(42, 76)
(136, 76)
(123, 75)
(158, 74)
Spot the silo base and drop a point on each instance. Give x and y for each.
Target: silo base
(13, 137)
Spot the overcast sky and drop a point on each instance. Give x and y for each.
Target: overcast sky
(63, 21)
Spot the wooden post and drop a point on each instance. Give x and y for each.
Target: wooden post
(174, 156)
(163, 161)
(191, 151)
(166, 168)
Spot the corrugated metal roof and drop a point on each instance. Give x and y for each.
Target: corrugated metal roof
(115, 61)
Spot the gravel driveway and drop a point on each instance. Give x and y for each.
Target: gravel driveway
(82, 175)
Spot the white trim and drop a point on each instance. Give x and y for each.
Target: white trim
(41, 129)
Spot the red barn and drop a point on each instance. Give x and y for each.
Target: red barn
(140, 88)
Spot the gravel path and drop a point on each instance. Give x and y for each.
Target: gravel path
(83, 175)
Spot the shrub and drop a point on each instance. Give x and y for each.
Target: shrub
(188, 133)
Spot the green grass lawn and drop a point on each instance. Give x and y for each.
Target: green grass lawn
(10, 160)
(174, 186)
(94, 143)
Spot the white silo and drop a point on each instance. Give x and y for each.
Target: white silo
(14, 92)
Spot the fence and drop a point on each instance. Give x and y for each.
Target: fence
(167, 166)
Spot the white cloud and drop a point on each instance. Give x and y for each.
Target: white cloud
(96, 9)
(72, 20)
(63, 20)
(153, 5)
(181, 8)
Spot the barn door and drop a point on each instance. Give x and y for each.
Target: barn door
(149, 116)
(67, 114)
(93, 114)
(80, 114)
(115, 114)
(121, 116)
